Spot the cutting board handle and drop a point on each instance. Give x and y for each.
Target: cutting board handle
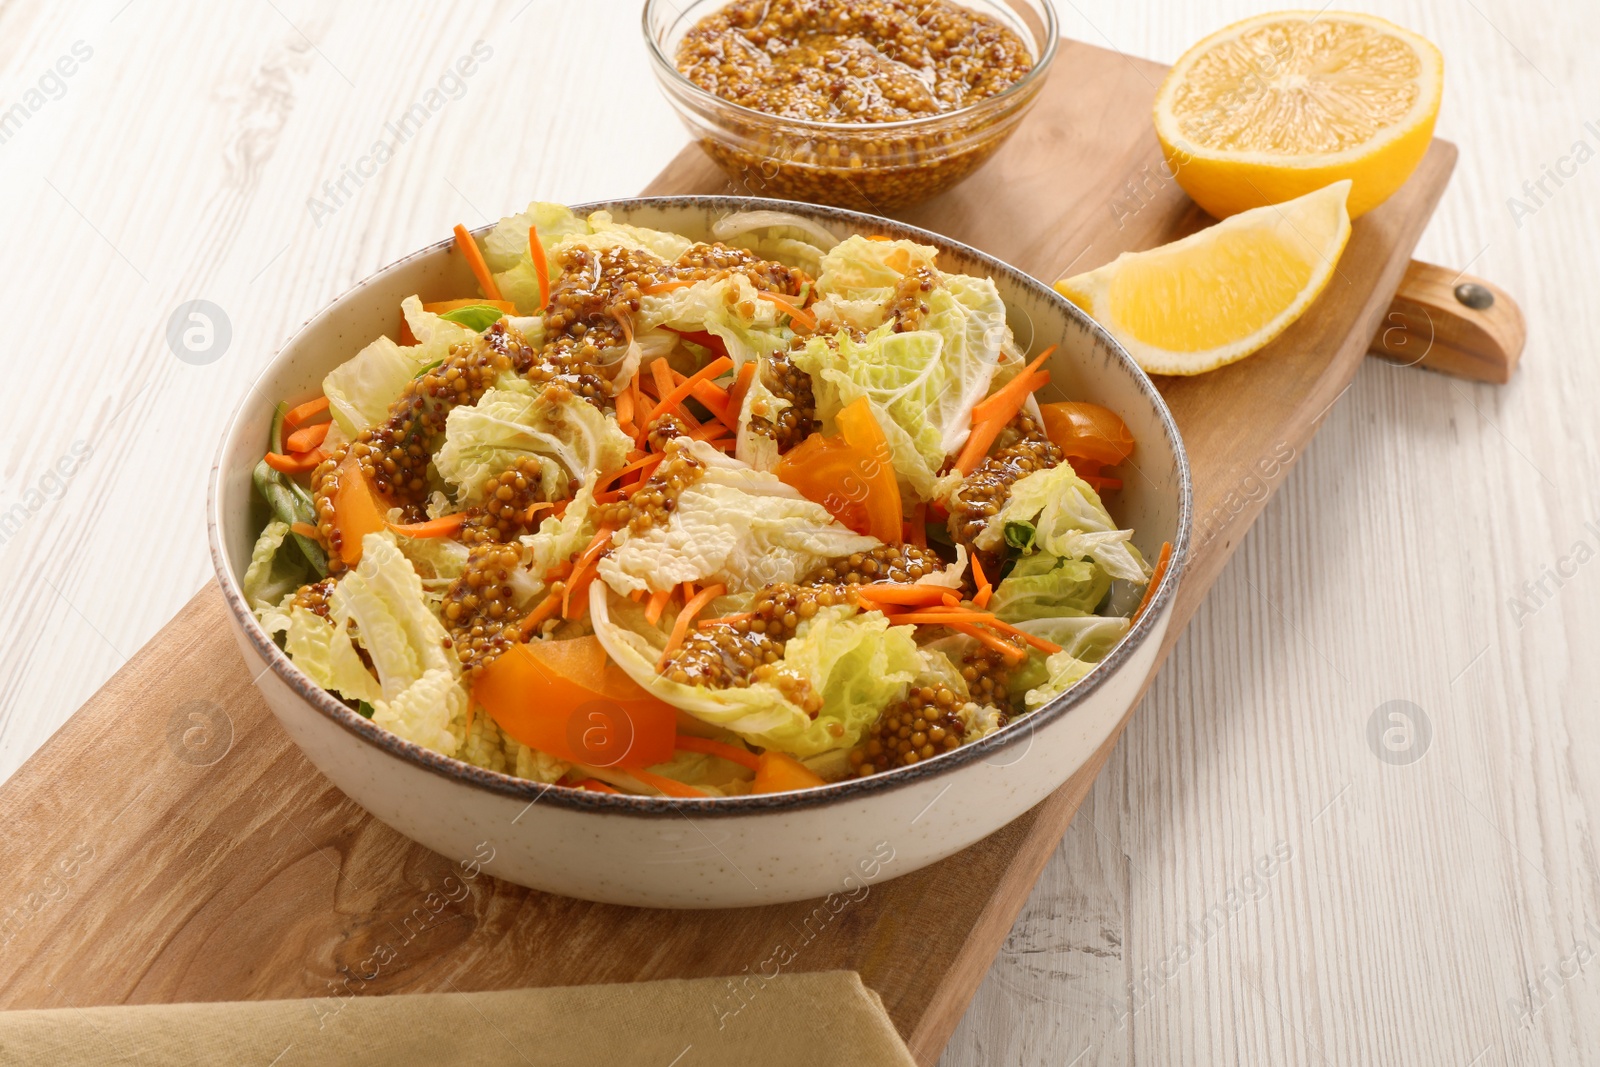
(1452, 323)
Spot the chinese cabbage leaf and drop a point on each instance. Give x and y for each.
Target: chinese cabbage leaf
(1043, 586)
(714, 306)
(857, 663)
(1068, 521)
(568, 435)
(361, 389)
(741, 527)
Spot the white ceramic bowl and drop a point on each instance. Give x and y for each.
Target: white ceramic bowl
(717, 852)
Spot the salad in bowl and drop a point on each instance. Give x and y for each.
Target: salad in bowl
(695, 518)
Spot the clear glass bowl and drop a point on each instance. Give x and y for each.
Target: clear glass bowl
(874, 167)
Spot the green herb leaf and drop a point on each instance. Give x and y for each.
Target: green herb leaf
(1020, 535)
(939, 534)
(290, 503)
(275, 437)
(430, 367)
(477, 317)
(364, 709)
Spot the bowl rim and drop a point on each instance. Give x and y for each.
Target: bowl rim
(1019, 731)
(665, 67)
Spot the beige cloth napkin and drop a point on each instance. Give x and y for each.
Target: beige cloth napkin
(804, 1020)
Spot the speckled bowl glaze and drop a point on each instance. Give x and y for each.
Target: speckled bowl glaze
(717, 852)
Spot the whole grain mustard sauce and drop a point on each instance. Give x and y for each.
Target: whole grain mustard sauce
(856, 61)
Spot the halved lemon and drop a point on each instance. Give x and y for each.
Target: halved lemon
(1221, 294)
(1279, 105)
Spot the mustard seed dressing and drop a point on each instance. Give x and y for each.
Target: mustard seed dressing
(852, 60)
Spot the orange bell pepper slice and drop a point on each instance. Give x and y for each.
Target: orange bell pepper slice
(1088, 431)
(778, 773)
(851, 474)
(566, 698)
(356, 511)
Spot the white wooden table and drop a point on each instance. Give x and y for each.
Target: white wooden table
(1249, 882)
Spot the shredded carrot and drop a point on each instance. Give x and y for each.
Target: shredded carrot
(985, 590)
(472, 711)
(978, 577)
(665, 287)
(647, 388)
(668, 786)
(680, 628)
(673, 396)
(710, 432)
(955, 615)
(715, 399)
(878, 237)
(652, 461)
(625, 411)
(561, 571)
(534, 509)
(1005, 648)
(1049, 648)
(741, 386)
(658, 604)
(936, 615)
(798, 314)
(641, 406)
(684, 415)
(979, 440)
(307, 439)
(1162, 562)
(480, 269)
(723, 444)
(443, 526)
(991, 416)
(546, 609)
(636, 596)
(688, 592)
(893, 593)
(1009, 396)
(919, 526)
(541, 265)
(595, 785)
(637, 465)
(304, 529)
(661, 379)
(299, 416)
(298, 463)
(707, 747)
(951, 600)
(582, 573)
(726, 620)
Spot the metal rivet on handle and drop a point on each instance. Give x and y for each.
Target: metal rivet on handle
(1475, 296)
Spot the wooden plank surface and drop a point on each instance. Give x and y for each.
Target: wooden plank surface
(1428, 911)
(242, 824)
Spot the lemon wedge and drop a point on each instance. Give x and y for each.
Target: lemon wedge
(1279, 105)
(1219, 295)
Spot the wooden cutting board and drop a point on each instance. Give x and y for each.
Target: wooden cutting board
(148, 862)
